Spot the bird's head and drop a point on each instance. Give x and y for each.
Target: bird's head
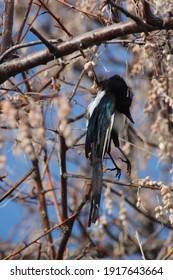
(123, 94)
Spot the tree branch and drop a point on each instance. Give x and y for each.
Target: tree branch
(150, 17)
(68, 226)
(72, 217)
(17, 184)
(63, 149)
(137, 19)
(43, 209)
(83, 41)
(7, 25)
(24, 21)
(50, 47)
(57, 19)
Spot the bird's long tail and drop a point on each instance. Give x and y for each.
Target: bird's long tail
(97, 177)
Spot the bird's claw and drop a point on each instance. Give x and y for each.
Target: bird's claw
(129, 166)
(118, 172)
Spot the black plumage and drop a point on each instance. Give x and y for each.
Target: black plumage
(106, 118)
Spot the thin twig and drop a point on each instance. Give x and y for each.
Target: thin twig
(71, 218)
(31, 23)
(54, 77)
(24, 21)
(140, 245)
(26, 45)
(57, 19)
(40, 236)
(87, 13)
(146, 214)
(27, 79)
(39, 251)
(128, 184)
(17, 184)
(24, 76)
(55, 51)
(71, 120)
(127, 13)
(50, 184)
(76, 86)
(67, 229)
(50, 47)
(150, 17)
(168, 255)
(165, 247)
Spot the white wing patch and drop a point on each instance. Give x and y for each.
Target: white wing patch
(95, 101)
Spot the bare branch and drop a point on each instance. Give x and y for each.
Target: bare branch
(50, 47)
(12, 68)
(62, 158)
(17, 184)
(67, 229)
(57, 19)
(43, 209)
(150, 17)
(140, 245)
(31, 23)
(41, 236)
(137, 19)
(7, 25)
(87, 13)
(24, 21)
(168, 255)
(51, 184)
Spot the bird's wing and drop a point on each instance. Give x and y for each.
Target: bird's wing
(97, 140)
(93, 104)
(99, 127)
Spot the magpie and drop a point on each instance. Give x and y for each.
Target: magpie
(106, 116)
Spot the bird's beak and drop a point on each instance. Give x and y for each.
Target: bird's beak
(129, 117)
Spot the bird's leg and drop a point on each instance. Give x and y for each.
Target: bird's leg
(118, 174)
(126, 160)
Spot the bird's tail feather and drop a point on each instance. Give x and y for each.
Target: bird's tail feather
(97, 177)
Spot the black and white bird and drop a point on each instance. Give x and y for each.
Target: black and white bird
(106, 116)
